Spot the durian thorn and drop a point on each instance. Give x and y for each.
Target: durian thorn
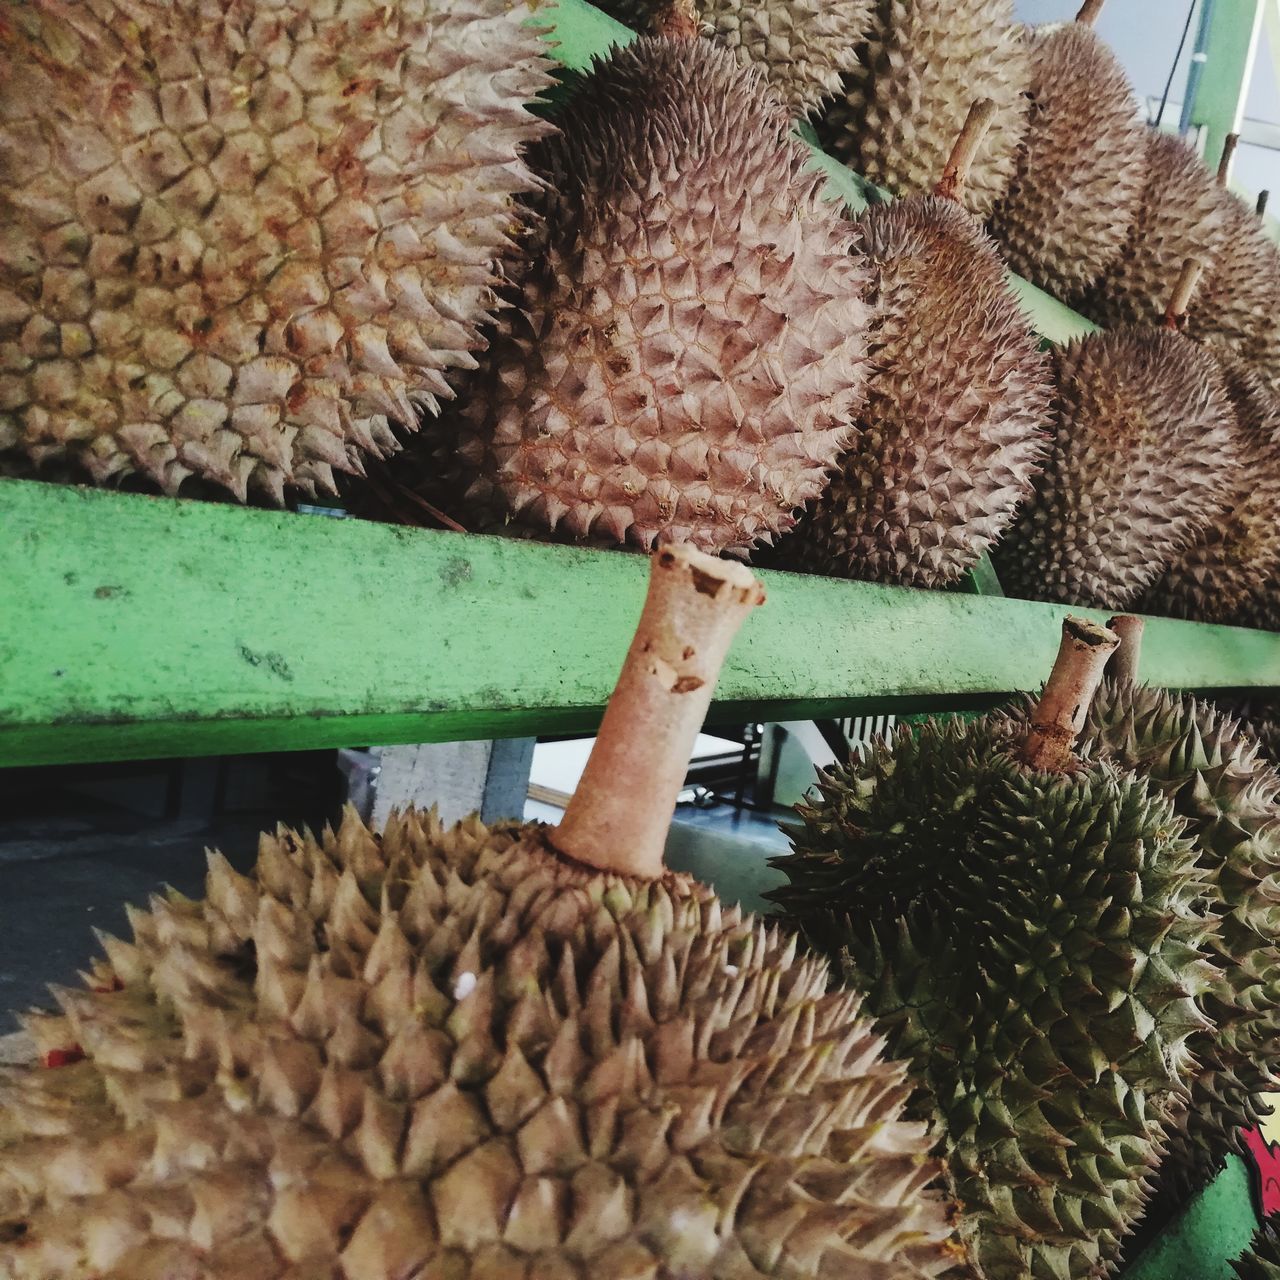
(1068, 693)
(1089, 12)
(1175, 317)
(678, 20)
(965, 151)
(1264, 198)
(620, 814)
(1123, 665)
(1229, 145)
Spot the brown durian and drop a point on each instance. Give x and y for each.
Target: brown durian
(1082, 165)
(478, 1052)
(1181, 215)
(1231, 573)
(952, 431)
(1143, 459)
(1238, 302)
(803, 45)
(237, 239)
(688, 344)
(926, 61)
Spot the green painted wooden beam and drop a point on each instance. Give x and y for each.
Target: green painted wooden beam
(1217, 91)
(1215, 1228)
(136, 627)
(579, 32)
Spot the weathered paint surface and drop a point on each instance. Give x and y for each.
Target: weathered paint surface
(1215, 1228)
(138, 627)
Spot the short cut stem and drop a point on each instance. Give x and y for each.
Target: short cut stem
(678, 20)
(619, 816)
(1229, 145)
(965, 151)
(1123, 666)
(1089, 12)
(1068, 693)
(1175, 317)
(1264, 198)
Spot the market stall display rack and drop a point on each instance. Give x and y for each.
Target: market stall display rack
(134, 627)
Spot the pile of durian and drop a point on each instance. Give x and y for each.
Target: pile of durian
(531, 1052)
(255, 248)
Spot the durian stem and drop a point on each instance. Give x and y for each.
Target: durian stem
(1123, 665)
(1059, 715)
(1089, 12)
(1229, 145)
(620, 814)
(677, 20)
(1175, 317)
(965, 151)
(1263, 198)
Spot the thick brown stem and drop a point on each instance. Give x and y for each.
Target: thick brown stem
(1059, 715)
(619, 816)
(1175, 317)
(1089, 11)
(1123, 666)
(1263, 198)
(678, 20)
(1229, 146)
(963, 154)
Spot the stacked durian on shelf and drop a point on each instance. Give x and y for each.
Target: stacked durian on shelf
(269, 249)
(1064, 918)
(476, 1051)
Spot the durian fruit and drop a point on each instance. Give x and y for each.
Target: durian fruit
(951, 435)
(1143, 459)
(1082, 164)
(477, 1052)
(1024, 925)
(1231, 574)
(803, 46)
(1228, 794)
(688, 345)
(926, 61)
(237, 240)
(1181, 215)
(1261, 1261)
(1237, 305)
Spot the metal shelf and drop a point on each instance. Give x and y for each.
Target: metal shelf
(139, 627)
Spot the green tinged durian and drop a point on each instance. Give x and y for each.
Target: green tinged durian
(1029, 941)
(1218, 781)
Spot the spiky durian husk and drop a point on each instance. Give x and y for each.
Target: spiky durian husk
(1081, 168)
(1218, 780)
(927, 62)
(454, 1053)
(238, 238)
(1030, 943)
(1231, 574)
(1236, 302)
(689, 344)
(1181, 215)
(1261, 1261)
(1142, 459)
(803, 45)
(951, 435)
